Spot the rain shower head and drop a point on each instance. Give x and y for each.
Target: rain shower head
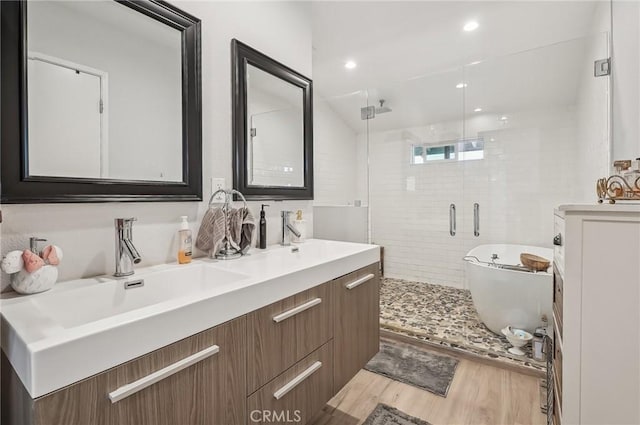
(383, 109)
(369, 112)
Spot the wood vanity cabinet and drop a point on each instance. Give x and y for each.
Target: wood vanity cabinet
(278, 364)
(211, 391)
(357, 322)
(281, 402)
(284, 332)
(312, 344)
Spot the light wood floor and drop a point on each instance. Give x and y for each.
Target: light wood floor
(479, 394)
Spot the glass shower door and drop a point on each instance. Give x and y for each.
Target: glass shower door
(416, 193)
(341, 200)
(544, 132)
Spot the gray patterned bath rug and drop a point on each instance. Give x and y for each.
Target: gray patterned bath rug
(387, 415)
(413, 366)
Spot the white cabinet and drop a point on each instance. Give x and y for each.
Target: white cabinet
(597, 349)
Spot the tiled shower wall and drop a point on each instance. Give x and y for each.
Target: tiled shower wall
(524, 158)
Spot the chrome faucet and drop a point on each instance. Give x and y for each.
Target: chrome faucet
(287, 229)
(126, 254)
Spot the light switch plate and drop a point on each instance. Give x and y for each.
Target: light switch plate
(216, 184)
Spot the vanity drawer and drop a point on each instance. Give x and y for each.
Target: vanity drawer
(286, 331)
(214, 382)
(558, 291)
(298, 393)
(357, 323)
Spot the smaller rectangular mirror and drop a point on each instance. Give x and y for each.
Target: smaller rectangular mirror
(273, 144)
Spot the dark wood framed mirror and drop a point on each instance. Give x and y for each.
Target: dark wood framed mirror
(272, 127)
(101, 101)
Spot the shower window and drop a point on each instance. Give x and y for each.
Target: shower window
(461, 150)
(471, 149)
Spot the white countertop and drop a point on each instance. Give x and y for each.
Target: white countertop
(51, 345)
(620, 206)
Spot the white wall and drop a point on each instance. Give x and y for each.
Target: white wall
(341, 223)
(626, 79)
(85, 232)
(593, 108)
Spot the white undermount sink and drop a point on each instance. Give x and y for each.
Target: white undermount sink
(85, 326)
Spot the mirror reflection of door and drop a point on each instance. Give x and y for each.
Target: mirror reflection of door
(66, 123)
(270, 164)
(275, 115)
(66, 76)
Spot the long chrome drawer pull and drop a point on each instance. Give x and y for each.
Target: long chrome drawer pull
(142, 383)
(360, 281)
(302, 307)
(297, 380)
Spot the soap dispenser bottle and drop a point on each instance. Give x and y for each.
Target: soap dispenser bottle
(301, 226)
(185, 242)
(263, 228)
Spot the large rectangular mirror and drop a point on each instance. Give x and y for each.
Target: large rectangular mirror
(108, 102)
(272, 128)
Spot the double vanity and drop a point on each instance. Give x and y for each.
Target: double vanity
(267, 338)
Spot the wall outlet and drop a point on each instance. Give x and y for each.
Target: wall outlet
(218, 183)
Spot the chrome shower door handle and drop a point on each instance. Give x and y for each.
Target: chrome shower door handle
(452, 219)
(476, 219)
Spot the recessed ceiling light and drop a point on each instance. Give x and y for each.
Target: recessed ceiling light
(475, 62)
(461, 85)
(350, 64)
(477, 110)
(471, 26)
(503, 118)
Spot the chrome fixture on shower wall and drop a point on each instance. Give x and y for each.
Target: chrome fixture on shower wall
(369, 112)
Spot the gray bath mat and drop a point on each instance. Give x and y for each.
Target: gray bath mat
(387, 415)
(410, 365)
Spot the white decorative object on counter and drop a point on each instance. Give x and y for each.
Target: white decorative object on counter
(41, 280)
(32, 273)
(12, 262)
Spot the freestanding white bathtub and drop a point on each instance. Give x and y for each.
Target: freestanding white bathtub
(509, 297)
